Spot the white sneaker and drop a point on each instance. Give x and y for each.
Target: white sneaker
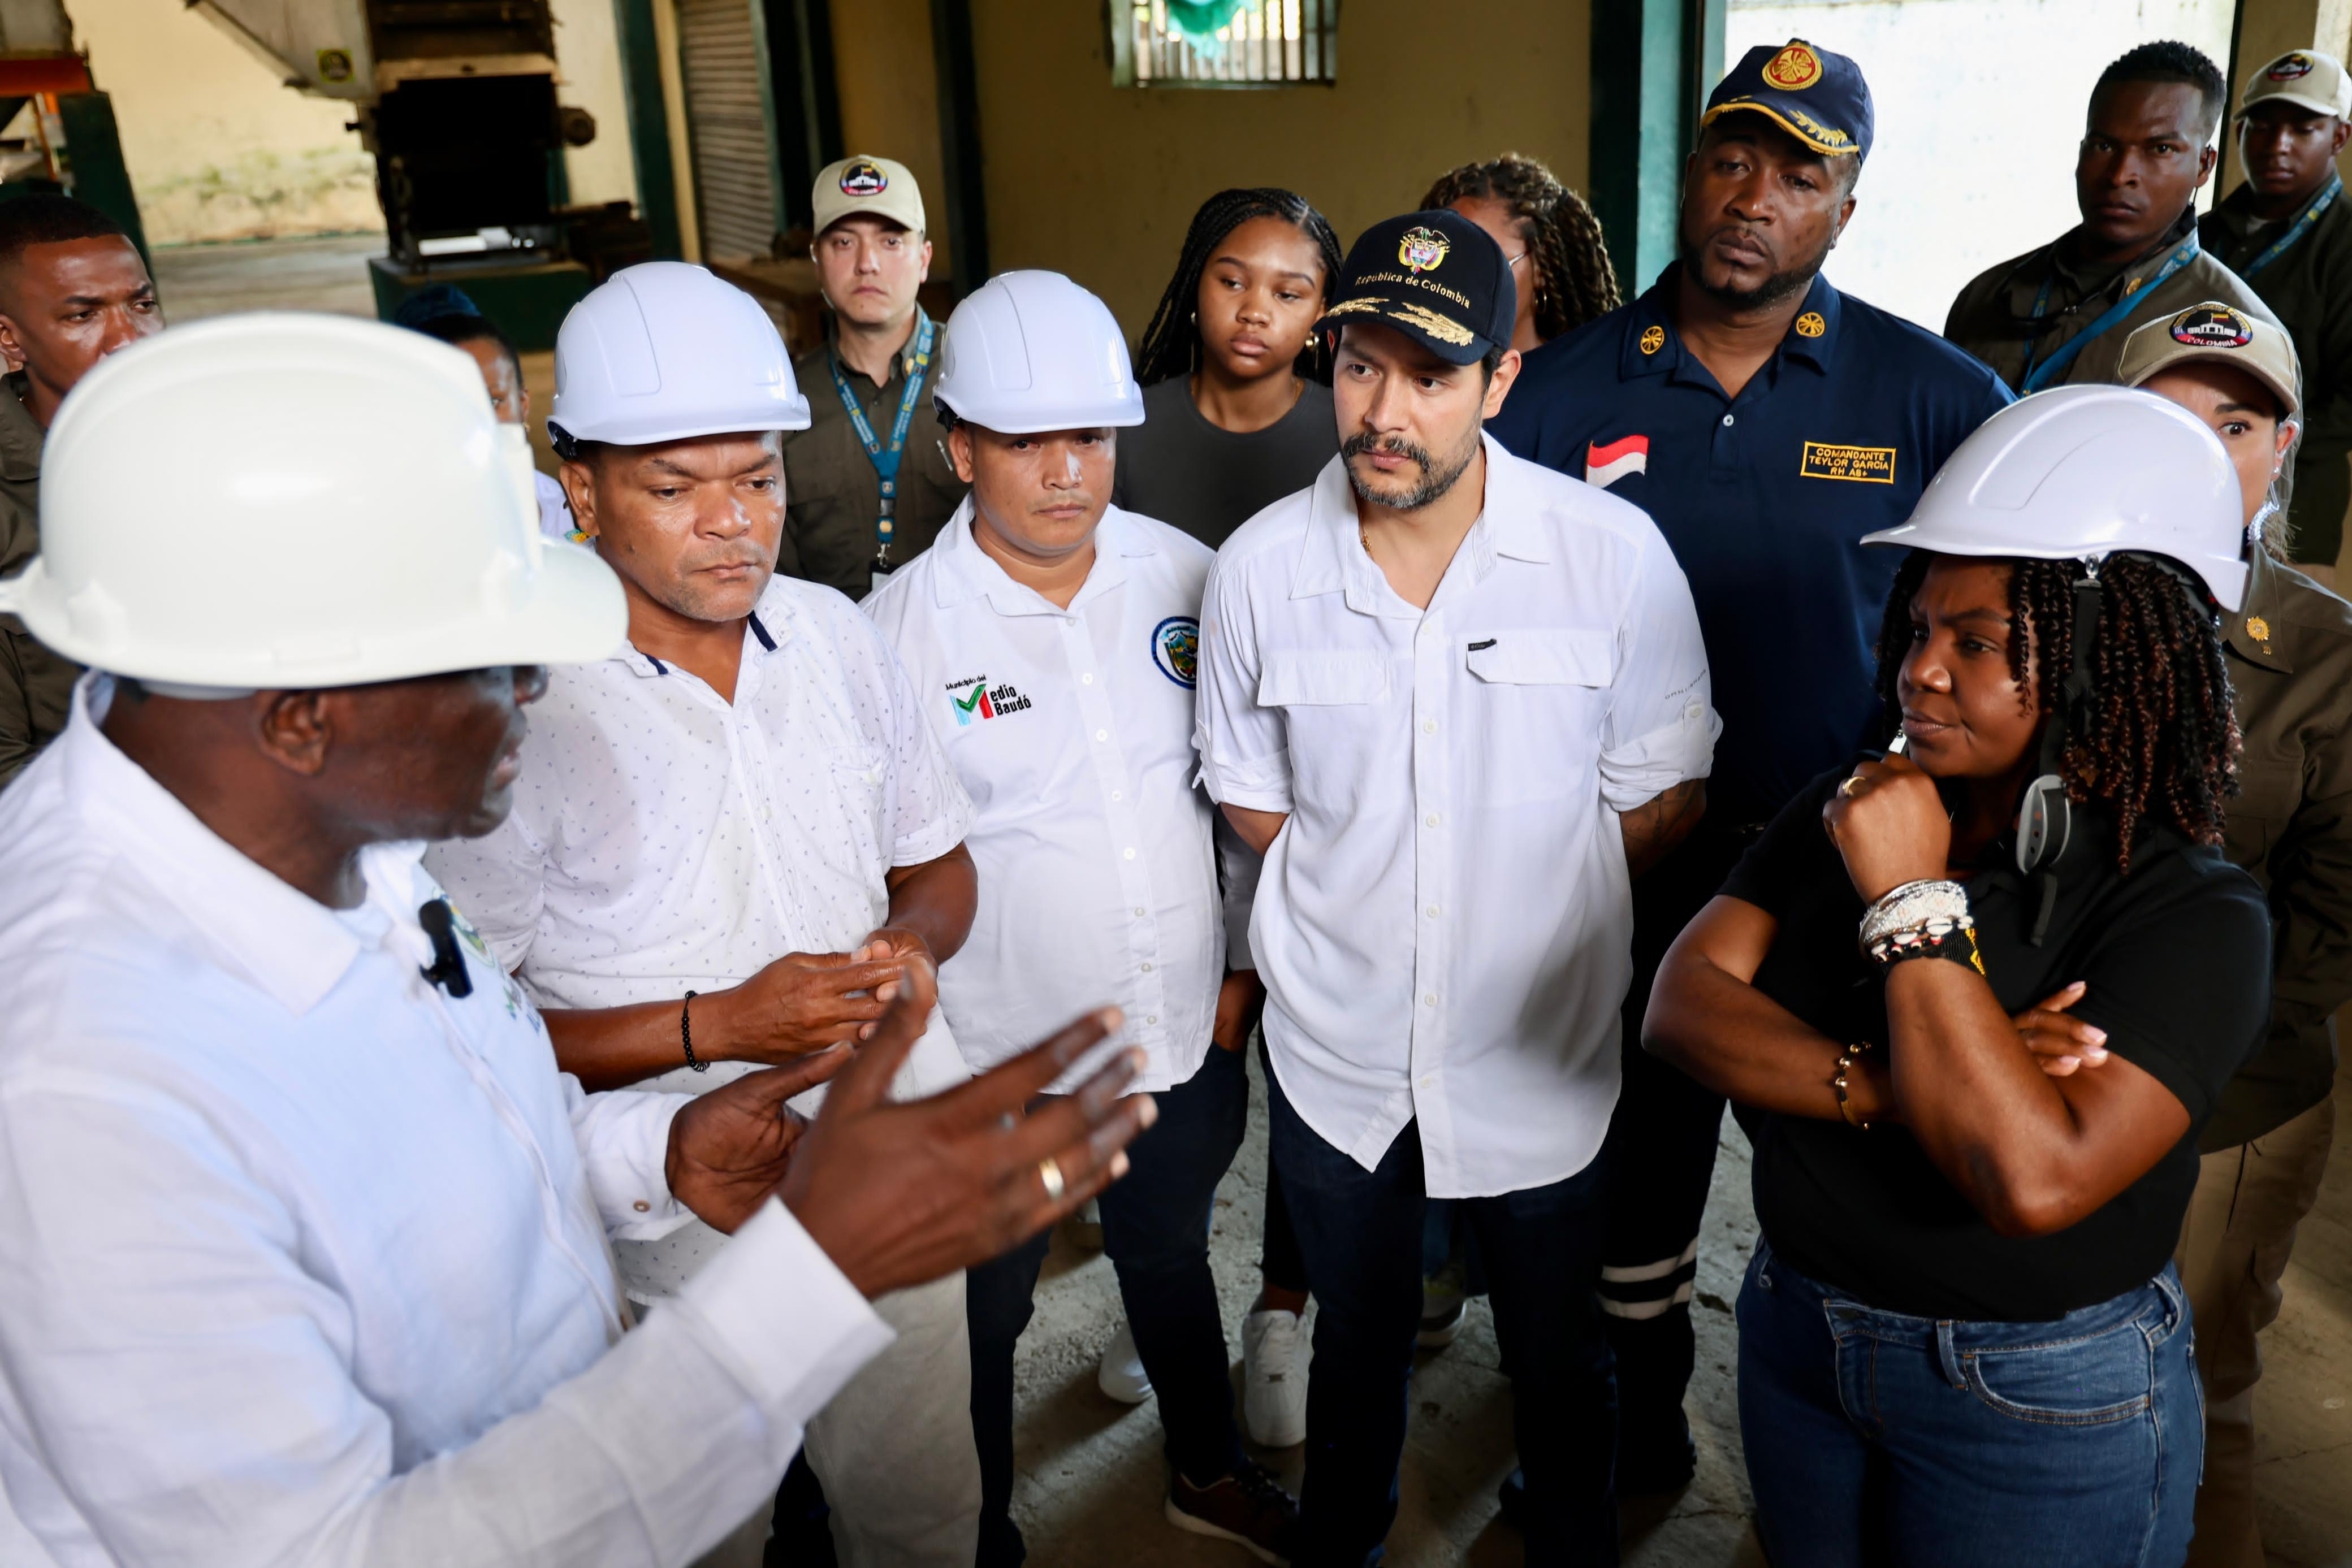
(1122, 1375)
(1274, 1379)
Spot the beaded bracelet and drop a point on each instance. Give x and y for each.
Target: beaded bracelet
(1935, 938)
(1913, 903)
(1845, 1062)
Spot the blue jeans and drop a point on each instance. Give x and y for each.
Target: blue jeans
(1156, 1233)
(1874, 1438)
(1360, 1231)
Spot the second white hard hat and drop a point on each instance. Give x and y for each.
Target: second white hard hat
(2084, 472)
(1031, 351)
(295, 501)
(664, 351)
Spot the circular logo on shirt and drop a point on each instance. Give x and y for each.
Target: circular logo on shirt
(1654, 338)
(2212, 327)
(1793, 68)
(1176, 650)
(2290, 67)
(1810, 325)
(1422, 249)
(864, 179)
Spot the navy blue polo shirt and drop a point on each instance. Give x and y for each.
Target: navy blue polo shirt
(1764, 499)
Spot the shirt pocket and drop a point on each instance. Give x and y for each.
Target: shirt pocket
(1335, 712)
(2269, 790)
(1535, 705)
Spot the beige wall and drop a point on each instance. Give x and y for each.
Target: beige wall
(588, 53)
(1099, 182)
(216, 148)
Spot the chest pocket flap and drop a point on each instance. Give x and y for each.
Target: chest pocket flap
(1550, 656)
(1318, 678)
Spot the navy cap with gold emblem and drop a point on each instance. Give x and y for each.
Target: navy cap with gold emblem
(1435, 277)
(1815, 95)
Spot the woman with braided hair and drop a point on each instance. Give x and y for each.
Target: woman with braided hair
(1974, 1029)
(1562, 270)
(1236, 410)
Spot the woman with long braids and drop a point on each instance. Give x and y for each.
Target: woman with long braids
(1975, 1027)
(1236, 412)
(1562, 270)
(1236, 415)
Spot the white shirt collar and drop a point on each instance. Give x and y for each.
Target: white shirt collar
(1333, 558)
(965, 572)
(287, 942)
(771, 623)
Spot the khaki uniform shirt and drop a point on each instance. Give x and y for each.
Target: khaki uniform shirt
(833, 498)
(2310, 286)
(36, 685)
(2290, 657)
(1993, 317)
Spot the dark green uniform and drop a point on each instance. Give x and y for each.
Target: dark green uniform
(2290, 655)
(833, 498)
(1994, 317)
(2309, 287)
(36, 685)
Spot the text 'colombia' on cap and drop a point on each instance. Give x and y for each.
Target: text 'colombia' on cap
(1435, 277)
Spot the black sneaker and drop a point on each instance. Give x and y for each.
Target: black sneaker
(1249, 1505)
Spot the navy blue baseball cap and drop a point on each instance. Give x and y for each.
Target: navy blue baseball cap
(1815, 95)
(1435, 277)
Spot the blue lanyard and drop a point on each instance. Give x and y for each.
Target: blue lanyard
(2047, 371)
(2305, 221)
(886, 458)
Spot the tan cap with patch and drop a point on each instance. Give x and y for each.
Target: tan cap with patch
(2305, 78)
(2220, 333)
(866, 187)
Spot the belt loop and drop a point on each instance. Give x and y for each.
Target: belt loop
(1949, 1354)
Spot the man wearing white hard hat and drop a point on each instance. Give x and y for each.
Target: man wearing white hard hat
(870, 479)
(1976, 1026)
(2289, 646)
(303, 1239)
(2288, 231)
(1055, 638)
(730, 833)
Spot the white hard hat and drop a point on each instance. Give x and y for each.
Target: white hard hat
(2081, 472)
(1031, 351)
(664, 350)
(298, 501)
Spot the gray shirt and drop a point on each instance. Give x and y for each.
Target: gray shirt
(1208, 481)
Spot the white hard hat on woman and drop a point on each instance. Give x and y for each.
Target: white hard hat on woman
(218, 516)
(1031, 351)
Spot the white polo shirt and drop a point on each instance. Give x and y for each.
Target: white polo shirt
(1444, 923)
(1072, 732)
(663, 839)
(304, 1259)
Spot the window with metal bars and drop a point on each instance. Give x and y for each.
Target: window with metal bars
(1223, 43)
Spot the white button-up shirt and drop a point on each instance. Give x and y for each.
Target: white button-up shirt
(1444, 923)
(1072, 732)
(665, 839)
(304, 1259)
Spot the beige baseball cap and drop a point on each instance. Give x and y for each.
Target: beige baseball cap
(873, 187)
(2220, 333)
(2302, 77)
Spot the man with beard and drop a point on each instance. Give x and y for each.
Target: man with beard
(2060, 314)
(1767, 421)
(1454, 700)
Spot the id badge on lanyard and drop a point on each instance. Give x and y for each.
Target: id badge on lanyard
(886, 458)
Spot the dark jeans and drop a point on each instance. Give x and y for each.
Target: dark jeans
(1156, 1232)
(1360, 1231)
(1279, 1266)
(1660, 1156)
(1877, 1439)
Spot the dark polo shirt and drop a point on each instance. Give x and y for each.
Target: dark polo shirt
(833, 498)
(1764, 499)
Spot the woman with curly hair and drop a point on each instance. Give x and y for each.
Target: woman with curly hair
(1974, 1029)
(1561, 268)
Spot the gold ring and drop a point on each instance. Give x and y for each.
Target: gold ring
(1846, 785)
(1050, 1173)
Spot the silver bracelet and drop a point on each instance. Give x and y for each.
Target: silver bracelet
(1914, 904)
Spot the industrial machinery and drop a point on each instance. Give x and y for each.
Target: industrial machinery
(457, 101)
(69, 143)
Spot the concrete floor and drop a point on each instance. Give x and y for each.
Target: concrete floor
(1091, 1482)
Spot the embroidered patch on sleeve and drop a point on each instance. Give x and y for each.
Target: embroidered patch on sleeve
(1827, 460)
